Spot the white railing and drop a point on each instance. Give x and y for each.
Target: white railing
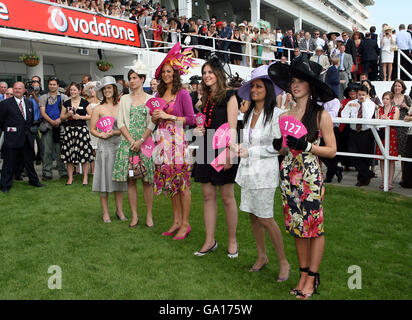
(400, 67)
(374, 124)
(214, 46)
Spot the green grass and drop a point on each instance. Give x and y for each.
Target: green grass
(62, 226)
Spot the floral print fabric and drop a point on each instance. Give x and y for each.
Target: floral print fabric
(302, 195)
(173, 163)
(138, 125)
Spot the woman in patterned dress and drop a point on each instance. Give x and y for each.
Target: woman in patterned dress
(172, 157)
(107, 146)
(389, 112)
(301, 177)
(135, 125)
(75, 142)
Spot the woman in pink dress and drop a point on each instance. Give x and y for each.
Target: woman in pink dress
(172, 158)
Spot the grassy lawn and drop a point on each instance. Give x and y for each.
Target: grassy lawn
(61, 225)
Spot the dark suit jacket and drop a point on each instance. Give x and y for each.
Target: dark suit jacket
(332, 79)
(369, 50)
(16, 129)
(351, 49)
(287, 44)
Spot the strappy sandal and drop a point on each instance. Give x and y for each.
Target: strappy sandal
(305, 296)
(295, 291)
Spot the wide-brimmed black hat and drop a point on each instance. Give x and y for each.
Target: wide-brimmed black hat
(301, 68)
(351, 86)
(335, 33)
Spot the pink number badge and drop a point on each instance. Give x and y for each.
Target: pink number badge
(156, 103)
(105, 124)
(221, 139)
(290, 126)
(148, 147)
(200, 119)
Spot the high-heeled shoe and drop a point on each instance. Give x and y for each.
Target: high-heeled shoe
(251, 269)
(233, 255)
(134, 225)
(202, 253)
(305, 296)
(184, 236)
(279, 279)
(295, 291)
(169, 234)
(122, 218)
(106, 220)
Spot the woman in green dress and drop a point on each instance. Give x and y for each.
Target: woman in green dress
(136, 126)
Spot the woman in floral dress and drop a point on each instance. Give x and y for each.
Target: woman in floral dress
(301, 177)
(171, 155)
(135, 125)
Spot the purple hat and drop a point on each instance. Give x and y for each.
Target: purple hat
(259, 73)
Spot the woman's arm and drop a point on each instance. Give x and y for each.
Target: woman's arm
(232, 110)
(64, 114)
(326, 127)
(93, 121)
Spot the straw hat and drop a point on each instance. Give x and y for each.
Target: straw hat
(103, 82)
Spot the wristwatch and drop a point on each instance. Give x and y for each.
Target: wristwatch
(174, 118)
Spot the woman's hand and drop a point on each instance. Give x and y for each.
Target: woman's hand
(135, 146)
(70, 113)
(199, 131)
(103, 135)
(227, 164)
(160, 114)
(243, 152)
(76, 117)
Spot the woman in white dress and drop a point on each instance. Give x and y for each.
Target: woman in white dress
(268, 50)
(258, 173)
(387, 55)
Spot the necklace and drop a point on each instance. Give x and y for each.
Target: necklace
(208, 114)
(257, 113)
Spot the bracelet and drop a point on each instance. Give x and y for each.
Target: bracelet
(309, 147)
(141, 139)
(174, 118)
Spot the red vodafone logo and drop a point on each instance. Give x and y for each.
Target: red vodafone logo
(62, 21)
(57, 20)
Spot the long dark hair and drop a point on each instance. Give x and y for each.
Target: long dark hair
(177, 83)
(270, 103)
(312, 115)
(217, 69)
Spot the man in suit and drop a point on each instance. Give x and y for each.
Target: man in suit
(369, 51)
(350, 46)
(145, 22)
(320, 58)
(345, 67)
(307, 44)
(332, 76)
(16, 119)
(289, 41)
(226, 34)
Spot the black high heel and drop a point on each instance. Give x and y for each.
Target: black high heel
(315, 286)
(295, 291)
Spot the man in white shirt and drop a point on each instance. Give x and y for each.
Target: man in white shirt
(361, 137)
(319, 41)
(404, 43)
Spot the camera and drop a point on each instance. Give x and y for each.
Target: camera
(29, 86)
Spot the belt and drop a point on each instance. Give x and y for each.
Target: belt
(342, 70)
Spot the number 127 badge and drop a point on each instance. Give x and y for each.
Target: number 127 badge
(290, 126)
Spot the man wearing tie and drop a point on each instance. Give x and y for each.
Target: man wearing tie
(360, 136)
(289, 41)
(320, 58)
(16, 119)
(307, 44)
(345, 67)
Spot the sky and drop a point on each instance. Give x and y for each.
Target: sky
(393, 12)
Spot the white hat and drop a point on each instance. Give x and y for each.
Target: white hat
(340, 39)
(241, 25)
(319, 48)
(90, 85)
(103, 82)
(139, 67)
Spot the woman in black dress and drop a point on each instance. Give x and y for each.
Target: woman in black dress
(75, 140)
(220, 106)
(236, 47)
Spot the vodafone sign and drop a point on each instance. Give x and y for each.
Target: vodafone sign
(38, 16)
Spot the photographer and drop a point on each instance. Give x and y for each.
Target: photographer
(194, 82)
